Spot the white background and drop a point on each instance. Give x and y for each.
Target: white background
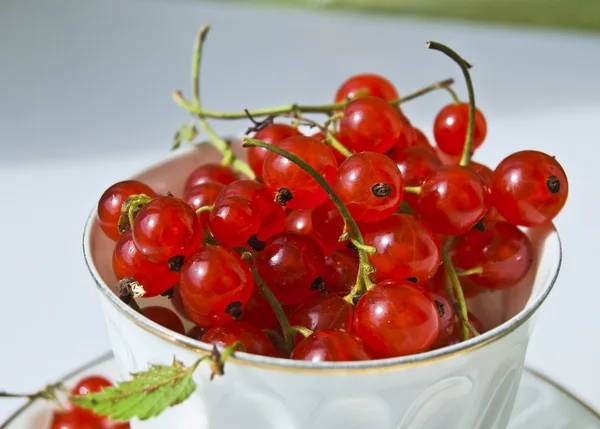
(85, 101)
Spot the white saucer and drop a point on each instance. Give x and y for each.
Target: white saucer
(541, 403)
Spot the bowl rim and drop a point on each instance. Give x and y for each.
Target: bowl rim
(289, 365)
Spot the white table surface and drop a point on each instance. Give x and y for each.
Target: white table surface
(85, 101)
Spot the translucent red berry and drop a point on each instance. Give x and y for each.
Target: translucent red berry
(485, 172)
(252, 338)
(370, 185)
(529, 188)
(73, 419)
(421, 140)
(502, 252)
(341, 271)
(366, 84)
(453, 199)
(331, 346)
(89, 384)
(328, 224)
(290, 185)
(323, 312)
(215, 286)
(109, 206)
(271, 134)
(450, 128)
(406, 248)
(371, 124)
(448, 319)
(258, 312)
(292, 265)
(396, 319)
(211, 173)
(165, 229)
(202, 195)
(165, 317)
(127, 261)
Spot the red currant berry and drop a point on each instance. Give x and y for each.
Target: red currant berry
(109, 206)
(502, 251)
(415, 165)
(452, 200)
(328, 224)
(165, 317)
(437, 284)
(421, 140)
(366, 84)
(293, 187)
(331, 346)
(211, 173)
(166, 229)
(529, 188)
(215, 286)
(323, 312)
(406, 248)
(89, 384)
(371, 124)
(448, 319)
(271, 134)
(396, 319)
(73, 419)
(370, 185)
(202, 195)
(450, 128)
(292, 265)
(485, 172)
(258, 312)
(127, 261)
(339, 157)
(457, 335)
(299, 221)
(341, 271)
(252, 338)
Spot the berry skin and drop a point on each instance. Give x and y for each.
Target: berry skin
(452, 200)
(166, 227)
(109, 206)
(292, 265)
(448, 320)
(215, 286)
(415, 165)
(165, 317)
(73, 419)
(299, 221)
(127, 261)
(341, 271)
(366, 84)
(271, 134)
(450, 128)
(485, 172)
(529, 188)
(370, 185)
(406, 248)
(396, 319)
(293, 187)
(503, 252)
(331, 346)
(252, 338)
(202, 195)
(258, 312)
(211, 173)
(371, 124)
(328, 224)
(323, 312)
(421, 140)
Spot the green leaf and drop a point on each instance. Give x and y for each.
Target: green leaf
(187, 133)
(146, 395)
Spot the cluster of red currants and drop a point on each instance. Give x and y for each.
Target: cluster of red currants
(79, 418)
(383, 275)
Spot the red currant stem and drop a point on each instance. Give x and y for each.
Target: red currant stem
(128, 289)
(196, 63)
(337, 145)
(302, 330)
(453, 94)
(275, 338)
(458, 292)
(204, 209)
(228, 158)
(468, 325)
(470, 271)
(365, 267)
(268, 295)
(464, 66)
(217, 359)
(332, 119)
(369, 249)
(47, 393)
(326, 108)
(412, 189)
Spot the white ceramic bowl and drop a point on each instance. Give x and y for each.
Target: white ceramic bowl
(471, 385)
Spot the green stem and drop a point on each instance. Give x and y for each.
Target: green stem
(453, 94)
(458, 292)
(196, 63)
(412, 189)
(363, 281)
(48, 393)
(305, 332)
(337, 145)
(471, 271)
(268, 295)
(289, 108)
(464, 66)
(204, 209)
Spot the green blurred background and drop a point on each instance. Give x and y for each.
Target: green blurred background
(569, 14)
